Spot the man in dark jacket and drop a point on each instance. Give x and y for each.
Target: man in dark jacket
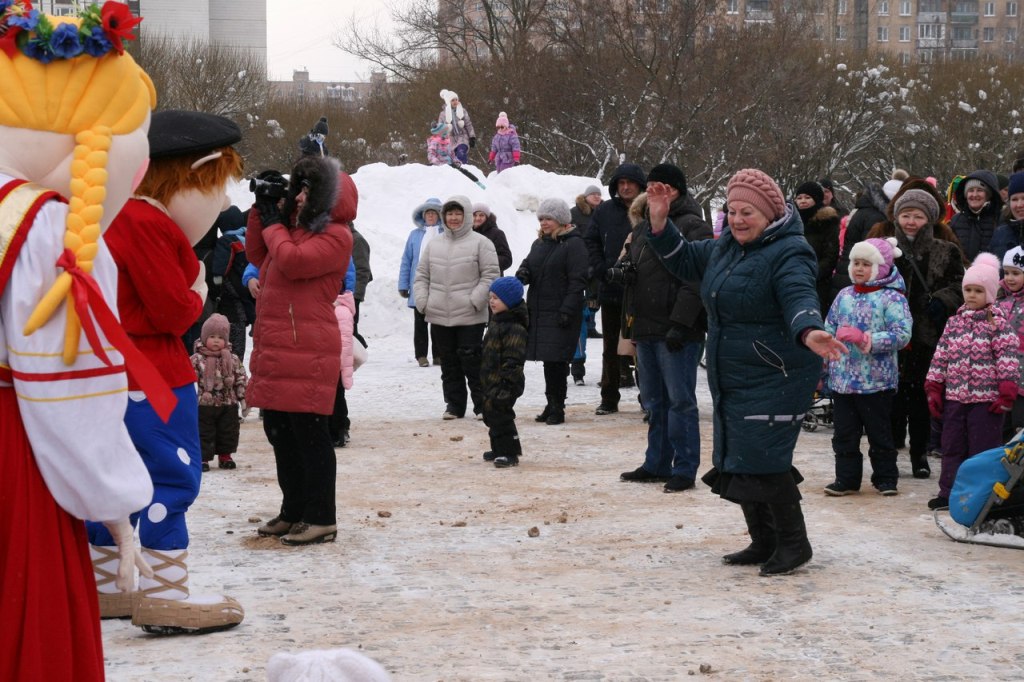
(608, 229)
(981, 206)
(486, 224)
(668, 326)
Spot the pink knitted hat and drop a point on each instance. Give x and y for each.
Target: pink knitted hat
(759, 190)
(502, 120)
(984, 272)
(879, 252)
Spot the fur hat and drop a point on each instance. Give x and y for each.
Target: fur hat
(556, 209)
(984, 272)
(670, 175)
(594, 189)
(320, 127)
(919, 199)
(1014, 258)
(1016, 185)
(813, 190)
(879, 252)
(502, 120)
(891, 187)
(441, 128)
(756, 188)
(319, 175)
(215, 324)
(337, 665)
(481, 207)
(509, 290)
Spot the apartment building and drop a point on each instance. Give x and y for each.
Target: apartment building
(915, 31)
(345, 94)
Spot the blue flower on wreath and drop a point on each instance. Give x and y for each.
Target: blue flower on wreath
(96, 43)
(25, 21)
(64, 41)
(39, 49)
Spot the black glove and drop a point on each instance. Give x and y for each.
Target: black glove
(674, 340)
(523, 275)
(268, 210)
(472, 142)
(404, 293)
(936, 312)
(564, 320)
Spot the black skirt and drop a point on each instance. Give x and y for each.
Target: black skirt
(770, 488)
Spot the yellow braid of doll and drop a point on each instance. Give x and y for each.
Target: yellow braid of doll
(81, 236)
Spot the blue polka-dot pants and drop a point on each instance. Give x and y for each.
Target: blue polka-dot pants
(171, 453)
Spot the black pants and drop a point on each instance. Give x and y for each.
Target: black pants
(306, 466)
(420, 334)
(611, 324)
(218, 430)
(554, 384)
(853, 415)
(500, 418)
(910, 406)
(338, 422)
(460, 349)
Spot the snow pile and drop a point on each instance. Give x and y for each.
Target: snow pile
(389, 194)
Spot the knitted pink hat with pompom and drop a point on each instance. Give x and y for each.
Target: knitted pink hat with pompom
(984, 272)
(502, 120)
(759, 190)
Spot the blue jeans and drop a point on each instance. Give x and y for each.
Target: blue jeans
(668, 390)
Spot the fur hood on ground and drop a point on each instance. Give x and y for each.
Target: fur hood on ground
(320, 176)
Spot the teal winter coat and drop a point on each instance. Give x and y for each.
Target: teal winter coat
(759, 298)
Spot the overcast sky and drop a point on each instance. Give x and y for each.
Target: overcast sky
(299, 34)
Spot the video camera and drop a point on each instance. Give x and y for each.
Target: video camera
(269, 184)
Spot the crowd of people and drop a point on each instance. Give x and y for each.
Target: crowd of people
(910, 310)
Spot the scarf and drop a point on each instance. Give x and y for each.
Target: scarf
(227, 367)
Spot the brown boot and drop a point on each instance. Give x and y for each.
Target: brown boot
(164, 606)
(113, 602)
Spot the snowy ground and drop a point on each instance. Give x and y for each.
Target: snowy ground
(435, 575)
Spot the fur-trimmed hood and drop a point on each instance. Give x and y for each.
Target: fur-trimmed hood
(320, 176)
(584, 208)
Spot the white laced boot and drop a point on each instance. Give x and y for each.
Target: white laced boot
(163, 604)
(113, 602)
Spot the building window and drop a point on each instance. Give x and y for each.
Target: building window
(904, 34)
(904, 58)
(1011, 35)
(732, 7)
(990, 9)
(841, 7)
(988, 34)
(883, 8)
(904, 8)
(929, 31)
(963, 33)
(840, 32)
(1011, 9)
(883, 34)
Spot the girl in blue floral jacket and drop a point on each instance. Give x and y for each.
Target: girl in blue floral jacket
(872, 317)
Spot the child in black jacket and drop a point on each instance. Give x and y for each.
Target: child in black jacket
(501, 370)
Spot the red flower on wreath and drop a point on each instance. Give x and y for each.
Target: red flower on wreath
(11, 12)
(118, 23)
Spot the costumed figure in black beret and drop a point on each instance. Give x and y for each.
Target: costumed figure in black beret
(160, 294)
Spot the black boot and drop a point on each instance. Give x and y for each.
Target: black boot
(792, 549)
(543, 416)
(919, 466)
(762, 537)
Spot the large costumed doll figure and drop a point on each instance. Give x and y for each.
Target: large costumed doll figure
(74, 113)
(161, 289)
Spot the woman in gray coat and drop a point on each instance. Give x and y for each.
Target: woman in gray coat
(764, 335)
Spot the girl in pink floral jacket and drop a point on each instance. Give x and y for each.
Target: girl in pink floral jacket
(221, 381)
(972, 380)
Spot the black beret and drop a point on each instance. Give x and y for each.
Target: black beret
(179, 133)
(668, 174)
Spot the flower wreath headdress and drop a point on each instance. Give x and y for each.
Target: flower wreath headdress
(100, 31)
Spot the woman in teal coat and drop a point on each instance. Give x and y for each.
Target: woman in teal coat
(765, 334)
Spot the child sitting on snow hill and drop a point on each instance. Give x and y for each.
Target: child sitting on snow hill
(972, 380)
(501, 370)
(439, 146)
(872, 317)
(505, 148)
(221, 384)
(1011, 302)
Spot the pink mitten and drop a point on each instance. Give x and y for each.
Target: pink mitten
(850, 335)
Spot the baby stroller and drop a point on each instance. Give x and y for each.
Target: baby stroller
(821, 410)
(987, 499)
